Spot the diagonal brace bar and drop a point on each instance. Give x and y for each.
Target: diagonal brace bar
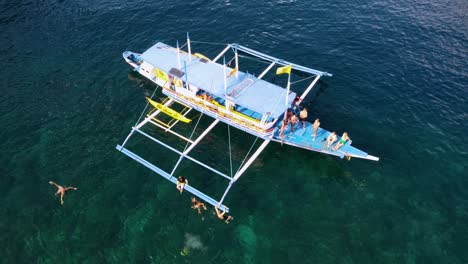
(222, 53)
(194, 144)
(186, 156)
(304, 94)
(244, 168)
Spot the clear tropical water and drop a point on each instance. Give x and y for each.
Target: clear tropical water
(399, 88)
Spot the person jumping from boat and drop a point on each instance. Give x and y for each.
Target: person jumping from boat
(223, 216)
(61, 190)
(315, 126)
(331, 139)
(197, 205)
(303, 117)
(343, 140)
(181, 182)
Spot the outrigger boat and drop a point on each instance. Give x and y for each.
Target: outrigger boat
(239, 99)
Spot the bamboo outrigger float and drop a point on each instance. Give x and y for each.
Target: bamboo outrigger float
(229, 95)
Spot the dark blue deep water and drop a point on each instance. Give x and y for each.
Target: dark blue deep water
(400, 88)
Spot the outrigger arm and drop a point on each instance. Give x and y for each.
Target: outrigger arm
(221, 53)
(244, 168)
(146, 120)
(304, 94)
(215, 122)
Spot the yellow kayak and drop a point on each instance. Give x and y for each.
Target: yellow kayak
(168, 111)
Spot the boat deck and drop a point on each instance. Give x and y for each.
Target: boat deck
(302, 138)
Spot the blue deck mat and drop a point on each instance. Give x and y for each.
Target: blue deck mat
(303, 138)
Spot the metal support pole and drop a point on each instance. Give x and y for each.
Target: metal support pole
(189, 48)
(252, 158)
(237, 62)
(225, 193)
(194, 144)
(266, 70)
(178, 55)
(304, 94)
(222, 53)
(244, 168)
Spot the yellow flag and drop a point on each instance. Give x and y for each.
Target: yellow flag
(232, 72)
(284, 69)
(160, 74)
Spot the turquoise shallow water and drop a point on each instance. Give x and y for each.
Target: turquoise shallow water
(399, 88)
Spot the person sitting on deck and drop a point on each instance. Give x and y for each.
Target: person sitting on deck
(61, 190)
(207, 97)
(181, 182)
(303, 117)
(293, 121)
(331, 139)
(223, 215)
(315, 126)
(342, 141)
(197, 205)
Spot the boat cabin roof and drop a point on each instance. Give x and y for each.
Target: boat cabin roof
(245, 90)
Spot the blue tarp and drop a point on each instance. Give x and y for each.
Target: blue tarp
(246, 90)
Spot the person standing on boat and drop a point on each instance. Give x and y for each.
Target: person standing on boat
(331, 139)
(345, 138)
(303, 117)
(181, 182)
(197, 205)
(284, 124)
(293, 122)
(289, 114)
(61, 190)
(294, 106)
(223, 215)
(315, 126)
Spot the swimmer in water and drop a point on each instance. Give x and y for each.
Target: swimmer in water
(61, 190)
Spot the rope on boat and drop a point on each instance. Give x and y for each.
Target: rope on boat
(147, 104)
(312, 76)
(229, 62)
(210, 43)
(247, 155)
(230, 150)
(193, 131)
(252, 58)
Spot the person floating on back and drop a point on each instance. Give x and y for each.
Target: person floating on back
(303, 117)
(181, 182)
(223, 215)
(61, 190)
(331, 139)
(342, 141)
(315, 126)
(197, 205)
